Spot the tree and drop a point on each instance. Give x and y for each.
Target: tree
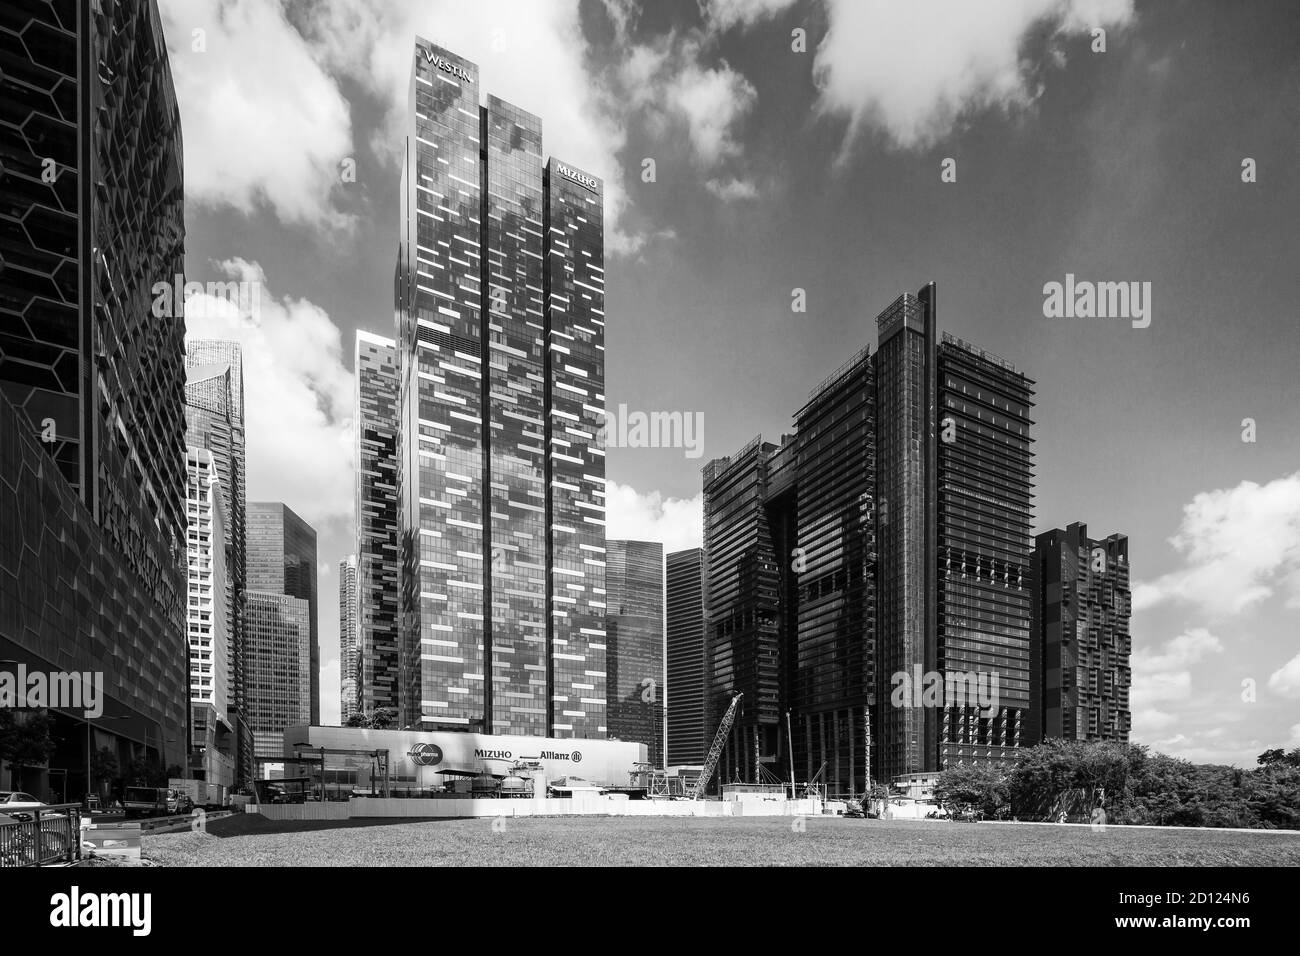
(381, 718)
(103, 766)
(26, 737)
(980, 785)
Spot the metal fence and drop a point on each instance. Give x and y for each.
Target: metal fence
(42, 837)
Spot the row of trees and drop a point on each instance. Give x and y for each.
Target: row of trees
(1133, 785)
(27, 739)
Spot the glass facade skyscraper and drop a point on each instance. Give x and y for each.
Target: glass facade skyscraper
(91, 217)
(214, 420)
(888, 536)
(500, 305)
(377, 680)
(282, 561)
(688, 738)
(349, 635)
(1081, 668)
(634, 582)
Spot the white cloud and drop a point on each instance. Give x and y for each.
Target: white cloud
(1164, 675)
(1286, 679)
(1294, 741)
(914, 70)
(712, 101)
(298, 395)
(1239, 546)
(264, 126)
(730, 13)
(732, 189)
(1150, 720)
(677, 522)
(530, 54)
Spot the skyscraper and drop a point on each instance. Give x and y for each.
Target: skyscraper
(688, 739)
(742, 599)
(91, 203)
(279, 658)
(830, 608)
(888, 537)
(634, 655)
(1081, 662)
(349, 634)
(378, 560)
(500, 303)
(212, 741)
(282, 561)
(214, 420)
(985, 540)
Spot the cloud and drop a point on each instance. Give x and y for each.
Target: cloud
(298, 394)
(531, 54)
(729, 13)
(1151, 721)
(732, 189)
(712, 101)
(1239, 545)
(264, 126)
(631, 515)
(914, 70)
(1164, 675)
(1286, 679)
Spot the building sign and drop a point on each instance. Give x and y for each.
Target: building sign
(447, 66)
(582, 179)
(425, 755)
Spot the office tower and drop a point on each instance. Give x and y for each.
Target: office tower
(378, 561)
(829, 606)
(634, 645)
(688, 738)
(349, 634)
(906, 527)
(212, 741)
(985, 542)
(1080, 637)
(282, 561)
(500, 305)
(279, 662)
(954, 508)
(214, 420)
(742, 587)
(91, 204)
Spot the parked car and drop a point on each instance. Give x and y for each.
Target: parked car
(16, 804)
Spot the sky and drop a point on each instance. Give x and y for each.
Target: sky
(759, 155)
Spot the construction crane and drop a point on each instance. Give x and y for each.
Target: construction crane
(715, 752)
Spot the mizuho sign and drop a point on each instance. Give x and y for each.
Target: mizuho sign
(582, 179)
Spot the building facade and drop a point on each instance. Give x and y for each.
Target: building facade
(349, 637)
(885, 541)
(500, 305)
(279, 688)
(282, 561)
(634, 654)
(378, 661)
(687, 737)
(1081, 669)
(91, 201)
(214, 420)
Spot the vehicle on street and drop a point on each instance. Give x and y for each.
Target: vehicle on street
(154, 802)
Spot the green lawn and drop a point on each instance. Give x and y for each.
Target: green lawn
(622, 841)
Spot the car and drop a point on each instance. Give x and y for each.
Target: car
(18, 805)
(154, 802)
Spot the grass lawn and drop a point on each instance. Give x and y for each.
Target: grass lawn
(694, 841)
